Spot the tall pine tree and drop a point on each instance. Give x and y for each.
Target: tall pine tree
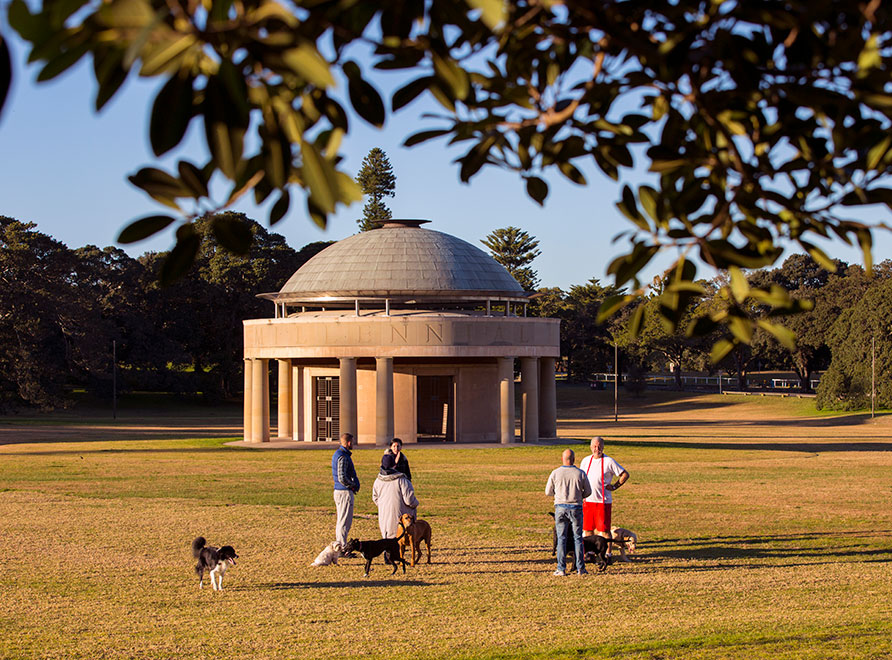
(377, 180)
(515, 250)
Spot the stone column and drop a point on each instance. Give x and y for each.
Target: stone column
(506, 400)
(347, 385)
(547, 399)
(248, 398)
(284, 419)
(529, 381)
(260, 401)
(297, 401)
(383, 401)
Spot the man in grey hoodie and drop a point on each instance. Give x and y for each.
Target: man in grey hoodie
(394, 495)
(569, 486)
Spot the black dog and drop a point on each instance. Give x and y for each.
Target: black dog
(594, 547)
(213, 560)
(371, 549)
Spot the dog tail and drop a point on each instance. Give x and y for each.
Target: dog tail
(197, 545)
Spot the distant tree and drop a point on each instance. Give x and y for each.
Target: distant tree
(588, 343)
(377, 181)
(515, 249)
(309, 251)
(42, 316)
(113, 285)
(658, 345)
(202, 312)
(847, 382)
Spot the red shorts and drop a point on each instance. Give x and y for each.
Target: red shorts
(596, 516)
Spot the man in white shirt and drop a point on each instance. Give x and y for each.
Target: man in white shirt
(597, 507)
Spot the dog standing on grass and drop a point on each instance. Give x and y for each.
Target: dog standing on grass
(412, 534)
(213, 560)
(627, 540)
(371, 549)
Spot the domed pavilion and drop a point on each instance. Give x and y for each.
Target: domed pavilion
(401, 332)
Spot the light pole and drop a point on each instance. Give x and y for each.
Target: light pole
(873, 374)
(114, 379)
(615, 381)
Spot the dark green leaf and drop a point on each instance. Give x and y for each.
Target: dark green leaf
(700, 327)
(280, 208)
(236, 90)
(179, 260)
(366, 101)
(537, 189)
(171, 114)
(143, 228)
(62, 62)
(409, 92)
(452, 76)
(108, 65)
(160, 183)
(233, 233)
(571, 172)
(316, 214)
(319, 177)
(424, 136)
(5, 72)
(31, 27)
(193, 178)
(476, 158)
(224, 128)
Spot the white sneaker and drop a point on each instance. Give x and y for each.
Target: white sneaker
(559, 573)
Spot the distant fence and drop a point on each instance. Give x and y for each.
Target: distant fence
(730, 383)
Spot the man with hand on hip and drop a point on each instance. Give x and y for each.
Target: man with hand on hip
(600, 471)
(346, 483)
(569, 487)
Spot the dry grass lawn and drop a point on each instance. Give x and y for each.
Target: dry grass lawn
(766, 530)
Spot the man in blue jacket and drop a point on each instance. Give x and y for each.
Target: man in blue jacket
(346, 483)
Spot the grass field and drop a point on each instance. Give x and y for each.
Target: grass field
(765, 529)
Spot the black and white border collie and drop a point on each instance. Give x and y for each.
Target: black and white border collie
(213, 560)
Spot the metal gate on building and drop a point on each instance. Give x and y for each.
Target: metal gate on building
(327, 400)
(436, 406)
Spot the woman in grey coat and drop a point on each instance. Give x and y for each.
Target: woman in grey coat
(394, 495)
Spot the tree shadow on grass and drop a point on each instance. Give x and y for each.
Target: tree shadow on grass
(833, 547)
(804, 447)
(359, 582)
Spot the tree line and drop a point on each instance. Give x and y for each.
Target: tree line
(845, 330)
(62, 310)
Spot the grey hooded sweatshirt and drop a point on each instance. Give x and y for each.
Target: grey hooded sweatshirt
(394, 495)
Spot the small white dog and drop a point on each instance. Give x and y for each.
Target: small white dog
(630, 538)
(329, 555)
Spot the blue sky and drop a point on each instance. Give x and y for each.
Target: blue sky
(65, 168)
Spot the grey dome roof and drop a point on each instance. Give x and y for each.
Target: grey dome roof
(400, 259)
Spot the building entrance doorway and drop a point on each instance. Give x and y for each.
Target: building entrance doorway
(326, 409)
(436, 409)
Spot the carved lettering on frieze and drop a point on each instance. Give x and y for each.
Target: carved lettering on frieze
(403, 335)
(432, 332)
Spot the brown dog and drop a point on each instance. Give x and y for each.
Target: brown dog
(413, 533)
